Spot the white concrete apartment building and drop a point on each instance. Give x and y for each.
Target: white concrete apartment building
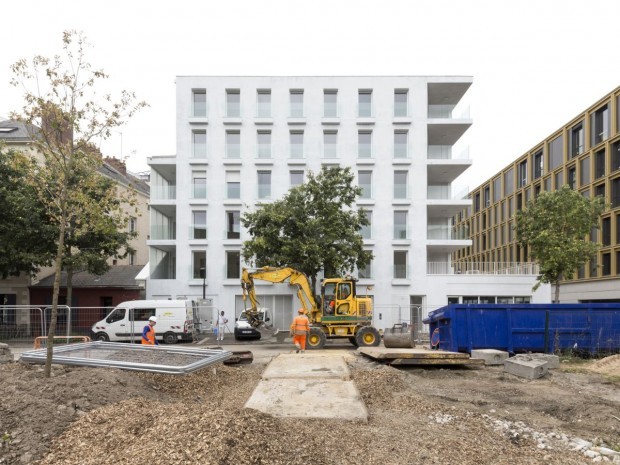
(243, 141)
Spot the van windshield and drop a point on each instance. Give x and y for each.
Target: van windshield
(117, 314)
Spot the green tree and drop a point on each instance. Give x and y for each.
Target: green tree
(107, 235)
(312, 228)
(553, 227)
(26, 235)
(60, 98)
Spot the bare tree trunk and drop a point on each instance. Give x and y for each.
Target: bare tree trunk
(58, 263)
(69, 285)
(52, 328)
(556, 299)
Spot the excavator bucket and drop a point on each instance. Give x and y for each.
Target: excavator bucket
(399, 336)
(266, 329)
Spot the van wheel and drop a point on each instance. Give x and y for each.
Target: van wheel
(170, 338)
(316, 339)
(102, 337)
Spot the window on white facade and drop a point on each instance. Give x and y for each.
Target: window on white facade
(366, 231)
(199, 103)
(296, 178)
(400, 264)
(199, 264)
(330, 144)
(263, 103)
(132, 258)
(400, 225)
(199, 224)
(199, 185)
(364, 100)
(400, 102)
(366, 272)
(233, 185)
(133, 224)
(199, 144)
(233, 103)
(233, 264)
(330, 103)
(264, 144)
(233, 144)
(401, 144)
(233, 224)
(264, 184)
(364, 144)
(400, 184)
(297, 144)
(365, 182)
(297, 103)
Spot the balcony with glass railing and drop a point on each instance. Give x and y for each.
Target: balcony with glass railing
(264, 150)
(445, 152)
(448, 112)
(162, 232)
(163, 192)
(400, 192)
(483, 268)
(400, 271)
(446, 192)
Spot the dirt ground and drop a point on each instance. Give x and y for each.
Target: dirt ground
(417, 415)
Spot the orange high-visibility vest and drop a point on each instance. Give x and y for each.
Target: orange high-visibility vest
(150, 336)
(300, 326)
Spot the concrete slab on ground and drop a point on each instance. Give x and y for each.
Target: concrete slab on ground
(490, 356)
(308, 365)
(309, 398)
(531, 369)
(309, 385)
(553, 361)
(382, 353)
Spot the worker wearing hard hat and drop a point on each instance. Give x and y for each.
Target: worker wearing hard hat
(148, 333)
(299, 329)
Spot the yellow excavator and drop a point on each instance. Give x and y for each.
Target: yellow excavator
(337, 313)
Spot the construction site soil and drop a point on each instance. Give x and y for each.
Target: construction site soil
(417, 415)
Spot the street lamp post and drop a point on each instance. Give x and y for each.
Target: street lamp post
(203, 272)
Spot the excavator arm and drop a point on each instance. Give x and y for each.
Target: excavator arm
(278, 275)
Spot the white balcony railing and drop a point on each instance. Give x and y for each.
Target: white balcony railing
(483, 268)
(163, 192)
(443, 192)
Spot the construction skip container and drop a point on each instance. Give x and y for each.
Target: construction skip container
(526, 327)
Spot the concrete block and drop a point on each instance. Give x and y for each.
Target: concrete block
(3, 346)
(553, 361)
(490, 356)
(6, 358)
(531, 369)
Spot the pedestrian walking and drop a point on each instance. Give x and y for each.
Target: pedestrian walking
(299, 329)
(221, 325)
(149, 336)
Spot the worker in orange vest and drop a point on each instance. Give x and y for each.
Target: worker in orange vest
(148, 333)
(299, 329)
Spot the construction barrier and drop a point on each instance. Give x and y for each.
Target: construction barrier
(42, 340)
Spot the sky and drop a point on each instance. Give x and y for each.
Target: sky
(535, 64)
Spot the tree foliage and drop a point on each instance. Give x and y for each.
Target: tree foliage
(61, 99)
(554, 227)
(26, 235)
(312, 228)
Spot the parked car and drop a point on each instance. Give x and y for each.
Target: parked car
(243, 329)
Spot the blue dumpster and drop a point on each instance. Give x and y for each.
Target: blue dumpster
(526, 327)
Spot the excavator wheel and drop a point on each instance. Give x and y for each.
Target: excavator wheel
(368, 337)
(353, 341)
(316, 339)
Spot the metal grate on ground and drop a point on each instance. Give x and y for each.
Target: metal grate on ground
(153, 359)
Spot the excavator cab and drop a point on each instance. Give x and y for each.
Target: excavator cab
(338, 297)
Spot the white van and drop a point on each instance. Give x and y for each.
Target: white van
(175, 321)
